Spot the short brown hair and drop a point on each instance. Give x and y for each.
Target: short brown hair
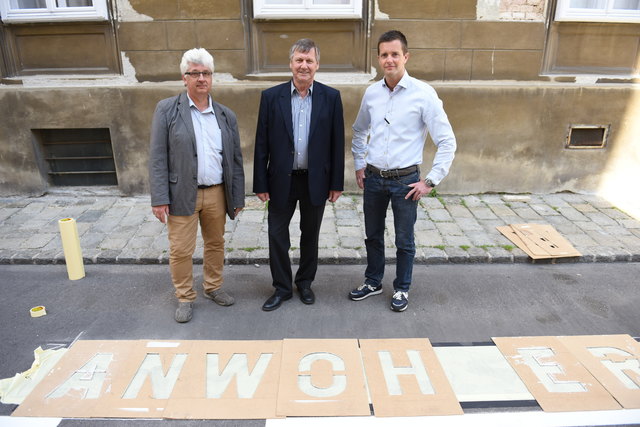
(304, 46)
(392, 35)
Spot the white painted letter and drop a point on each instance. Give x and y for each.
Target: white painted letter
(88, 378)
(247, 382)
(306, 385)
(417, 369)
(618, 368)
(161, 385)
(547, 371)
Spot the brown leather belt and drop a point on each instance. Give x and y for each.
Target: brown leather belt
(393, 173)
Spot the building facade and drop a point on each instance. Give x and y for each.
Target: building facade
(543, 95)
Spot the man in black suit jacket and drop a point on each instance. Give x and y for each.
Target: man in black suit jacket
(299, 157)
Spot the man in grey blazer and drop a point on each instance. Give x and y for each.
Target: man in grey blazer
(195, 175)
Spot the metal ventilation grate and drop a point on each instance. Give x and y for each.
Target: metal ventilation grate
(587, 136)
(76, 157)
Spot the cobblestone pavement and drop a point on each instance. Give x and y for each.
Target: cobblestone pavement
(450, 229)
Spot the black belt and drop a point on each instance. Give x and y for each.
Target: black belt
(202, 187)
(393, 173)
(297, 172)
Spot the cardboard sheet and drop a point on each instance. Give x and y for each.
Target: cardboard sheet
(405, 379)
(228, 380)
(539, 241)
(557, 380)
(322, 378)
(90, 380)
(156, 379)
(614, 360)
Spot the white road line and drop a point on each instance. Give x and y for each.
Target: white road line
(504, 419)
(29, 422)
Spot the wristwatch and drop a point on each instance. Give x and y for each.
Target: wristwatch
(429, 183)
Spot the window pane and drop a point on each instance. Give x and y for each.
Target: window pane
(627, 4)
(29, 4)
(332, 2)
(74, 3)
(588, 4)
(274, 2)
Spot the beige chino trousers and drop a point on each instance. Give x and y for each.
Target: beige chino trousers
(211, 213)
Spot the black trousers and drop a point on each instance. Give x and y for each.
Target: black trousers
(280, 241)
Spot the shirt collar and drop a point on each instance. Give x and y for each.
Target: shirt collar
(294, 90)
(209, 108)
(404, 82)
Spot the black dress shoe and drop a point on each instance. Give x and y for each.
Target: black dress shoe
(274, 302)
(307, 296)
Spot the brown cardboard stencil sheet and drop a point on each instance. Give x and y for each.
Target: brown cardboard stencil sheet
(561, 382)
(603, 355)
(539, 241)
(415, 383)
(322, 378)
(242, 384)
(103, 370)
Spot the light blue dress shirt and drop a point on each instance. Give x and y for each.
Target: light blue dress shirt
(301, 115)
(391, 128)
(208, 144)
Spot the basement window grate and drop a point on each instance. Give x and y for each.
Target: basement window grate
(77, 157)
(587, 136)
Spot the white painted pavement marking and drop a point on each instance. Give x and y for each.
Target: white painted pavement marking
(29, 422)
(481, 374)
(503, 419)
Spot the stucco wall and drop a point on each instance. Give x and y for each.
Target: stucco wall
(511, 136)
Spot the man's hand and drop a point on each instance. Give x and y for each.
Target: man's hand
(334, 195)
(161, 212)
(418, 189)
(360, 178)
(263, 196)
(236, 211)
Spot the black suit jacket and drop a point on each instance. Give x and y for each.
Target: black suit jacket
(274, 148)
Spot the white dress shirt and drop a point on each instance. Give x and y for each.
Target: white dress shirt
(396, 124)
(208, 144)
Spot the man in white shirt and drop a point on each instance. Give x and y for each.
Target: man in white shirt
(388, 139)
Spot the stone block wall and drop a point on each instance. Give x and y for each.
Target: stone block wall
(451, 40)
(153, 35)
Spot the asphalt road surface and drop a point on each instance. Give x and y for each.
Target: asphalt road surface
(447, 304)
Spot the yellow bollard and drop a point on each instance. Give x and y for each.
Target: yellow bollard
(71, 246)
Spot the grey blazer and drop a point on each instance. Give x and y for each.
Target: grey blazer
(173, 165)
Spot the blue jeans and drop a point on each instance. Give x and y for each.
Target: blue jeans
(378, 192)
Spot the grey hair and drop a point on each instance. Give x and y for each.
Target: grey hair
(304, 46)
(198, 56)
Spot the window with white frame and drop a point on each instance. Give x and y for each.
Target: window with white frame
(310, 9)
(18, 11)
(598, 10)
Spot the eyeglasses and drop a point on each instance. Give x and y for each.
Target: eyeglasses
(196, 74)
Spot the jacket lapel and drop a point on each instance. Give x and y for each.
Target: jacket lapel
(185, 114)
(285, 109)
(317, 102)
(224, 127)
